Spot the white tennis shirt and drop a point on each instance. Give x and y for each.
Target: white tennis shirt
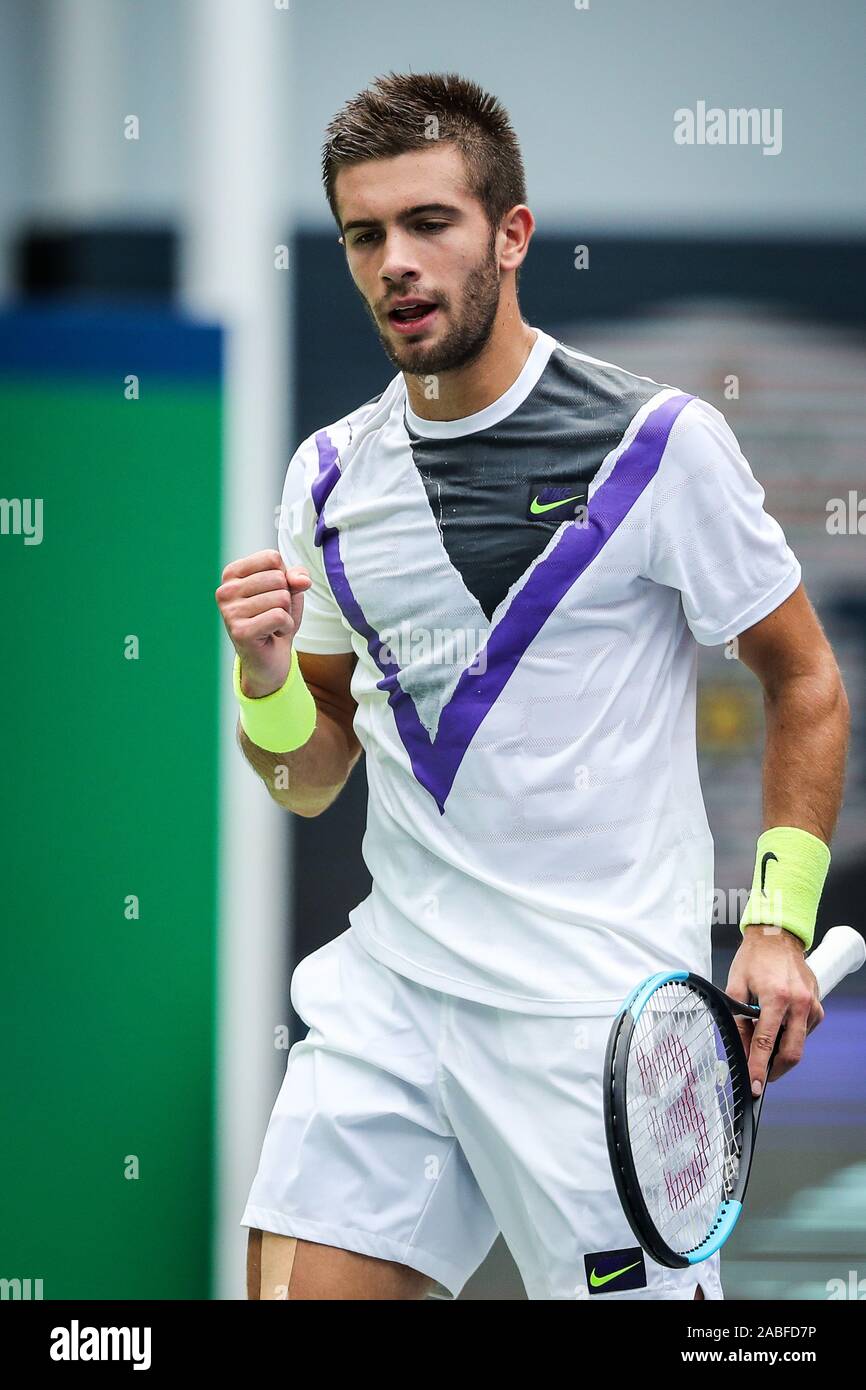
(524, 590)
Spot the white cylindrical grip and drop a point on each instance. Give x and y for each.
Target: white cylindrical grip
(842, 950)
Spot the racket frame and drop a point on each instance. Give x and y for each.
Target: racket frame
(723, 1009)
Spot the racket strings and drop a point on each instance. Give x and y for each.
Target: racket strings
(684, 1114)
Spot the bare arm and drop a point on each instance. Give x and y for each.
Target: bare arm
(807, 717)
(807, 724)
(307, 780)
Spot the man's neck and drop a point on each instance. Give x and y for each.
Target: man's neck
(477, 385)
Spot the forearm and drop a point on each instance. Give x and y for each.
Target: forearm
(803, 776)
(308, 779)
(807, 724)
(806, 712)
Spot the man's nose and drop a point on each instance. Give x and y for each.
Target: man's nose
(398, 262)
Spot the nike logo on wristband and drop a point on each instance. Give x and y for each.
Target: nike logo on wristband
(769, 855)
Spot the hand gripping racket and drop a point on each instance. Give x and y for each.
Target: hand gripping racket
(678, 1110)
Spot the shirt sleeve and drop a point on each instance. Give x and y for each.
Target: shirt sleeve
(323, 629)
(709, 535)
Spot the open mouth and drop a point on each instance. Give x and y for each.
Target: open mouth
(414, 315)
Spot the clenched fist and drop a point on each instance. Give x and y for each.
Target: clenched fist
(261, 603)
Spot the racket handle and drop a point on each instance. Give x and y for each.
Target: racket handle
(842, 950)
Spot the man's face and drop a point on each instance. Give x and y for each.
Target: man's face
(443, 254)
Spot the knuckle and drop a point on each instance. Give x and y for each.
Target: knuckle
(774, 994)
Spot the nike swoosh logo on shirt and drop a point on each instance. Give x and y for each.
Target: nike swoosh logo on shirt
(537, 507)
(597, 1280)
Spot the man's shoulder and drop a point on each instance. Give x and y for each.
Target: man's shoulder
(602, 382)
(370, 414)
(328, 442)
(600, 388)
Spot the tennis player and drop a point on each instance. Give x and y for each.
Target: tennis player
(493, 579)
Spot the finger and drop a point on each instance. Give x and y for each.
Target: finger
(274, 623)
(763, 1040)
(296, 579)
(793, 1038)
(251, 564)
(816, 1016)
(746, 1029)
(256, 604)
(738, 988)
(263, 582)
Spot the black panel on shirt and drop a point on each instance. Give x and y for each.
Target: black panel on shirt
(481, 487)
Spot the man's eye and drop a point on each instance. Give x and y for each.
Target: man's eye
(421, 227)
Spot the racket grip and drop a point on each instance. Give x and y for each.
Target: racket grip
(842, 950)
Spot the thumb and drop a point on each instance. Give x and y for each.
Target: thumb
(299, 581)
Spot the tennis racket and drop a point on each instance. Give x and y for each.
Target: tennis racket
(678, 1110)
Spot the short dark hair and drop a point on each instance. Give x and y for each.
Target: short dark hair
(392, 116)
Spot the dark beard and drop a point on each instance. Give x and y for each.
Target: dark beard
(463, 341)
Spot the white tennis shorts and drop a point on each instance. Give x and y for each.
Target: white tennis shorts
(415, 1126)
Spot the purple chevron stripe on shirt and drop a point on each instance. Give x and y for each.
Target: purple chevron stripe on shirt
(435, 762)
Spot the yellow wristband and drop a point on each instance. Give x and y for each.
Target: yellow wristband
(283, 720)
(790, 868)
